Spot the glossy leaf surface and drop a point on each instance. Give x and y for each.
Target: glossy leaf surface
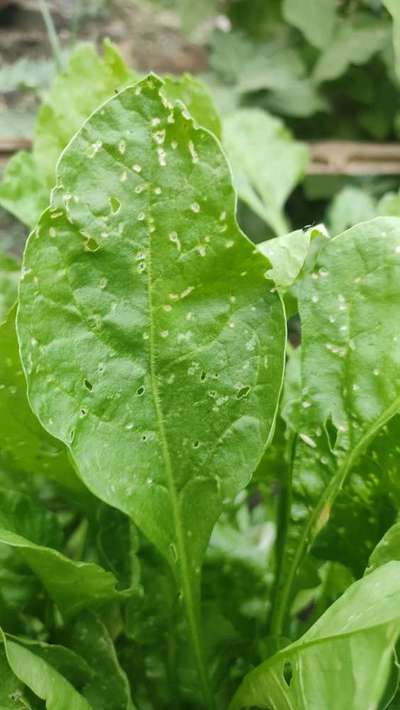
(343, 660)
(159, 300)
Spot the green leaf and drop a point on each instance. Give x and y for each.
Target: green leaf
(316, 19)
(355, 41)
(26, 73)
(194, 15)
(108, 688)
(342, 661)
(387, 549)
(254, 66)
(349, 207)
(43, 679)
(389, 205)
(12, 694)
(22, 513)
(197, 99)
(300, 99)
(393, 7)
(22, 191)
(9, 278)
(87, 82)
(24, 444)
(367, 506)
(72, 666)
(159, 300)
(266, 162)
(72, 585)
(287, 255)
(350, 374)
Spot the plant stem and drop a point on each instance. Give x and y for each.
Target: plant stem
(192, 608)
(52, 34)
(283, 520)
(320, 516)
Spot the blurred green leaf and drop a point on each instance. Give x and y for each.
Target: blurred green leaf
(350, 206)
(355, 41)
(316, 19)
(266, 162)
(9, 278)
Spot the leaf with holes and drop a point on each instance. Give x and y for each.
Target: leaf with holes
(350, 378)
(153, 314)
(342, 661)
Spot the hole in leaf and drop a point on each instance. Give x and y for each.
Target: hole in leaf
(88, 385)
(91, 244)
(331, 433)
(140, 390)
(144, 437)
(115, 205)
(287, 673)
(196, 444)
(243, 392)
(203, 376)
(83, 412)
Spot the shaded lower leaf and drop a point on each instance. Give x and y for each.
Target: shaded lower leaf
(108, 688)
(72, 585)
(46, 682)
(12, 690)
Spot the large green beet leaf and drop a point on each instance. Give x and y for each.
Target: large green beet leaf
(151, 340)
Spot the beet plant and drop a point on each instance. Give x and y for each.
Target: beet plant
(194, 512)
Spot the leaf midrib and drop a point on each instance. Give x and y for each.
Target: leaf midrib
(184, 576)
